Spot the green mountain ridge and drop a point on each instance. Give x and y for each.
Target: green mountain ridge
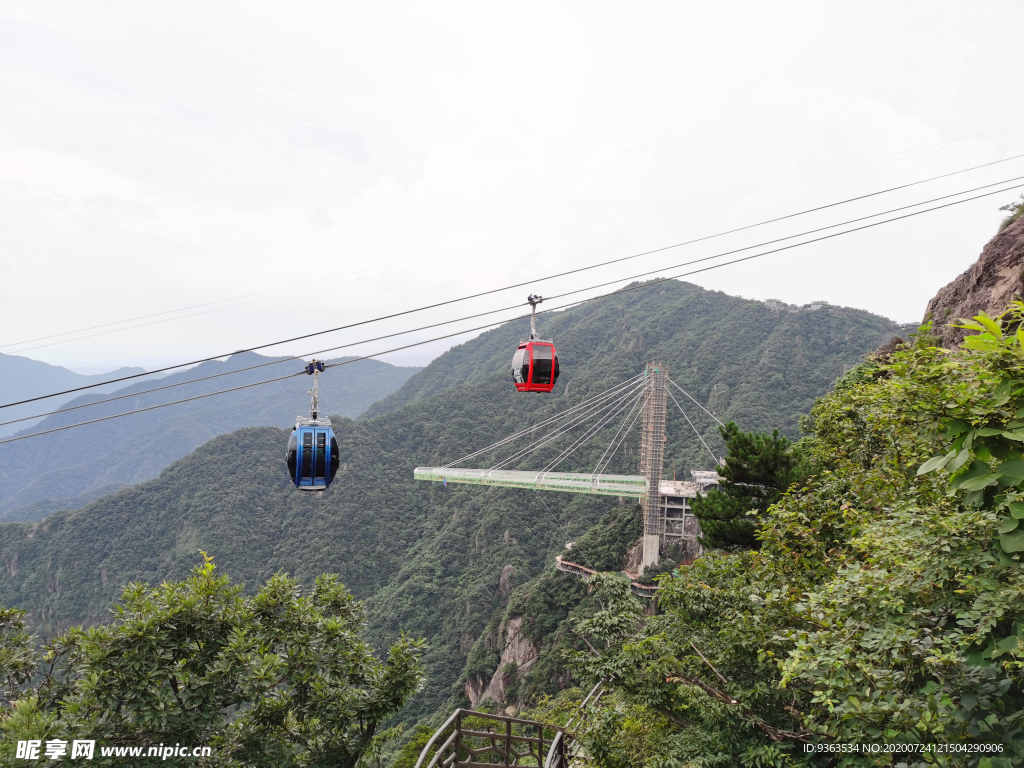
(438, 562)
(22, 378)
(62, 470)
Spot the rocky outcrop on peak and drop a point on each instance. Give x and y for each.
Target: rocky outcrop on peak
(992, 282)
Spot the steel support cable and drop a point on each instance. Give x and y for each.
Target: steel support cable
(543, 423)
(483, 314)
(636, 214)
(624, 434)
(625, 258)
(270, 363)
(802, 234)
(567, 536)
(691, 425)
(709, 413)
(223, 391)
(232, 389)
(557, 432)
(536, 280)
(151, 408)
(616, 435)
(593, 430)
(599, 424)
(649, 284)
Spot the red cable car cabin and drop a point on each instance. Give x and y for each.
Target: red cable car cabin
(535, 366)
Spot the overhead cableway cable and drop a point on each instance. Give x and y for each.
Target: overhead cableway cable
(648, 284)
(510, 242)
(467, 317)
(801, 234)
(531, 282)
(292, 358)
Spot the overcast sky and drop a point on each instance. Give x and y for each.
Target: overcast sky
(346, 160)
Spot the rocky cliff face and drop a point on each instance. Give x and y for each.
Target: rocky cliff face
(995, 279)
(518, 656)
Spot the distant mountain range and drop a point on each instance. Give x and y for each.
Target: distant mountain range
(22, 378)
(68, 469)
(440, 563)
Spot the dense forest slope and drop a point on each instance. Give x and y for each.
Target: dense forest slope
(22, 378)
(438, 562)
(63, 469)
(761, 363)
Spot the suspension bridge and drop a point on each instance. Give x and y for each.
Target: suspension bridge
(640, 401)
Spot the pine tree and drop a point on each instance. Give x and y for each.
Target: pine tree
(757, 470)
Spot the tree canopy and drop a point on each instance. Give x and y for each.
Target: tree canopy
(757, 469)
(884, 605)
(280, 678)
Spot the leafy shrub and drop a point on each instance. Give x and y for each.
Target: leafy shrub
(885, 604)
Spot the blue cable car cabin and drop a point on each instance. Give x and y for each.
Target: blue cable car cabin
(313, 456)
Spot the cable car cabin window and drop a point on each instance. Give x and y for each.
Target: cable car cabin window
(307, 454)
(542, 359)
(321, 450)
(520, 366)
(290, 455)
(335, 458)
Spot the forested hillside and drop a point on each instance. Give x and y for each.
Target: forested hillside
(438, 562)
(65, 469)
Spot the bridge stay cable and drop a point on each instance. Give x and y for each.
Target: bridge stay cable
(584, 404)
(699, 437)
(552, 436)
(709, 413)
(601, 468)
(563, 429)
(617, 408)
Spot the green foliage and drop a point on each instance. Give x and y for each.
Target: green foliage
(758, 468)
(884, 604)
(546, 605)
(279, 678)
(604, 546)
(17, 661)
(407, 755)
(378, 752)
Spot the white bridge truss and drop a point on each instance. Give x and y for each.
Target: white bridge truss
(572, 482)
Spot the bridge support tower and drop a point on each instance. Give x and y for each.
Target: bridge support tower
(652, 452)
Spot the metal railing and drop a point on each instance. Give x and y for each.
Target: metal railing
(489, 741)
(562, 751)
(640, 590)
